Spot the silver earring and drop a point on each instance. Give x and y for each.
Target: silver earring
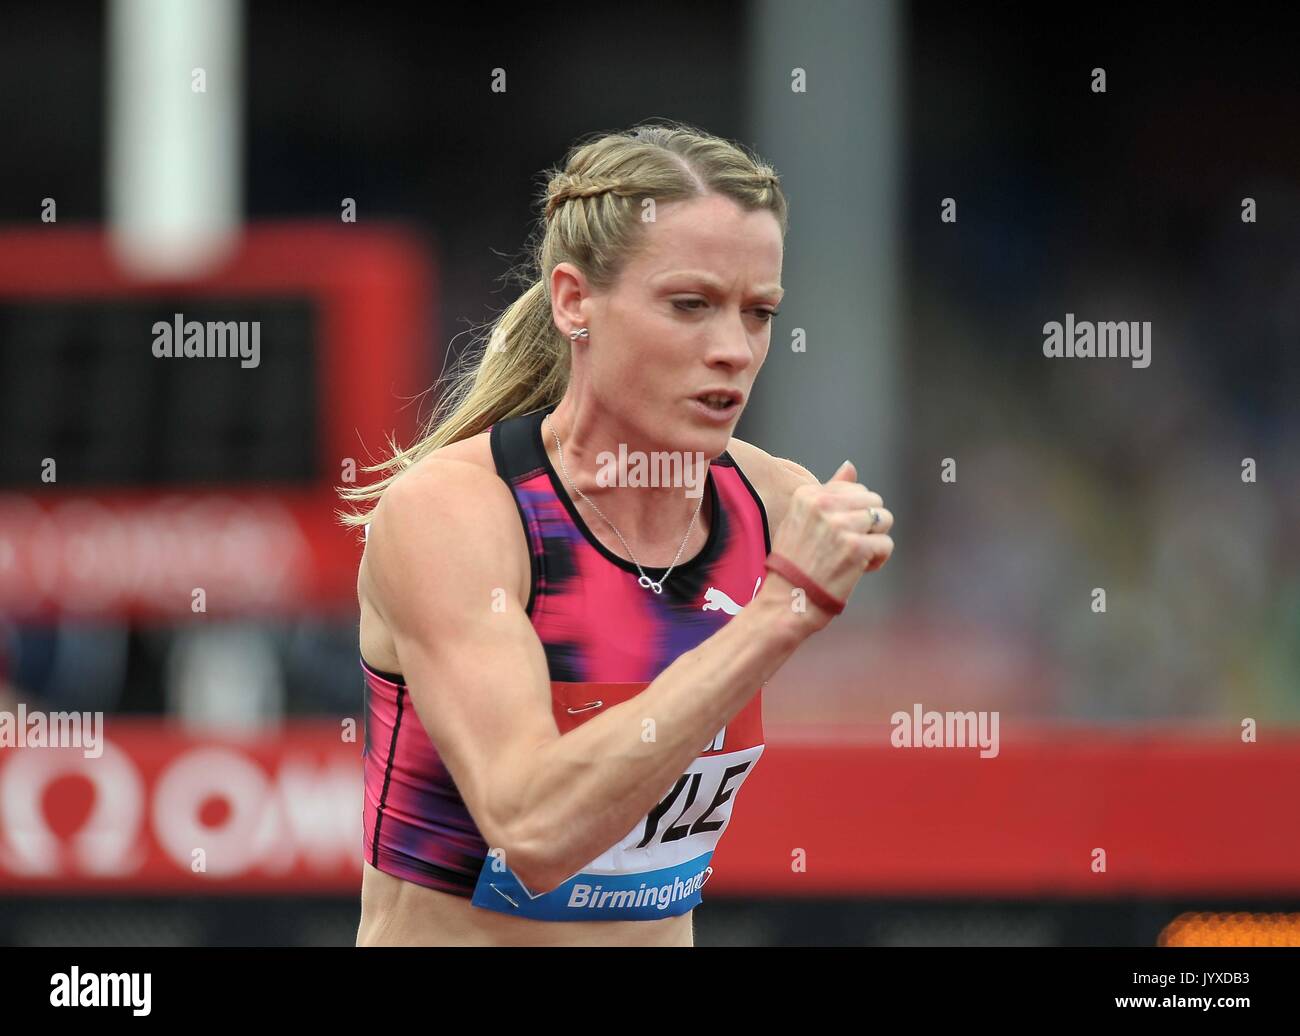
(582, 332)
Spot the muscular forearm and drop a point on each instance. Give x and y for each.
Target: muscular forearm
(584, 791)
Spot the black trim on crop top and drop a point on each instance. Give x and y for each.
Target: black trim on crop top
(519, 455)
(396, 678)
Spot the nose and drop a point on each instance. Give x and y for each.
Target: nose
(732, 347)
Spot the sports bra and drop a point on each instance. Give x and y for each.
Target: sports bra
(605, 638)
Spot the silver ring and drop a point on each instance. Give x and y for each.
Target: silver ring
(875, 516)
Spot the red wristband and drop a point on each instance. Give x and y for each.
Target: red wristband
(783, 566)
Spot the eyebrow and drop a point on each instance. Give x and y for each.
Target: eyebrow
(766, 289)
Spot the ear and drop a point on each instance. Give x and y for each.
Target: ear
(570, 295)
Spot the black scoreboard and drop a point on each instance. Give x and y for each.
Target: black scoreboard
(80, 383)
(198, 426)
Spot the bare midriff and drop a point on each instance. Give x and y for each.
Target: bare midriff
(400, 913)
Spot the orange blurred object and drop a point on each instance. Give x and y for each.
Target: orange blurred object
(1236, 929)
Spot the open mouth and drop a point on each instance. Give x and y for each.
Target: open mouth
(721, 402)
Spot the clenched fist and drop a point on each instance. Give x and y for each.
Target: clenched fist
(834, 532)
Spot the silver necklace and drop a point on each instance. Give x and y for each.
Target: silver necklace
(650, 584)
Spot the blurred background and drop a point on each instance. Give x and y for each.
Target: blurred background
(349, 177)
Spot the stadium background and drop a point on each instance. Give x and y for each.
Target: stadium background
(228, 727)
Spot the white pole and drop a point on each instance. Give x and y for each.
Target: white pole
(824, 105)
(175, 110)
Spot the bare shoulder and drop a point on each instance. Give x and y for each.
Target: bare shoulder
(773, 478)
(453, 481)
(451, 505)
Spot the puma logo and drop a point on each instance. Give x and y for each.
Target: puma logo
(717, 600)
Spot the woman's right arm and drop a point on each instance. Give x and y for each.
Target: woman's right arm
(446, 567)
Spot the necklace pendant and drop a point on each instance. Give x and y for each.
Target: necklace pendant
(644, 580)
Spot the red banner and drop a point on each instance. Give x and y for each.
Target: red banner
(1173, 812)
(159, 810)
(174, 557)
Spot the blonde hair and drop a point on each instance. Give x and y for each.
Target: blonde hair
(592, 217)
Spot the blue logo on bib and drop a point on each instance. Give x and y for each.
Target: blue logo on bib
(638, 896)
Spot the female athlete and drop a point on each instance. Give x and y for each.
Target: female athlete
(575, 584)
